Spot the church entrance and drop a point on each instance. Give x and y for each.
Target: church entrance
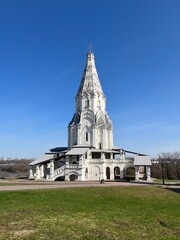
(108, 173)
(73, 177)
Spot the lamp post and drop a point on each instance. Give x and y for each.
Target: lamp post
(162, 165)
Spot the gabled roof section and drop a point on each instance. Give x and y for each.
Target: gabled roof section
(43, 158)
(77, 151)
(90, 80)
(142, 161)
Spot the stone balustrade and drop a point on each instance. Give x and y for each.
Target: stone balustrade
(111, 160)
(74, 166)
(59, 170)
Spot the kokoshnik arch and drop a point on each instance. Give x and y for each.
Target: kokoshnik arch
(90, 154)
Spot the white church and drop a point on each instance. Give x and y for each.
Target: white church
(90, 154)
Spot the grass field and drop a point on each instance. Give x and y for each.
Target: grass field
(166, 180)
(20, 183)
(90, 213)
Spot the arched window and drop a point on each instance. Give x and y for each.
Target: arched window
(87, 103)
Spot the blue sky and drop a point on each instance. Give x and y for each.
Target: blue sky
(43, 45)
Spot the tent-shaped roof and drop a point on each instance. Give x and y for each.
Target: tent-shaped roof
(90, 80)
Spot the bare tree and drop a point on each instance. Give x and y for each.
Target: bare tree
(167, 166)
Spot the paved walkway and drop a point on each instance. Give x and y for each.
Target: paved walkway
(46, 185)
(32, 185)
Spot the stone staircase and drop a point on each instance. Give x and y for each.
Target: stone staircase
(59, 172)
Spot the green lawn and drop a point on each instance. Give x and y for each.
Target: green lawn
(90, 213)
(20, 183)
(166, 180)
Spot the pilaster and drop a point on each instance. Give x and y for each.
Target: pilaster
(122, 155)
(42, 171)
(31, 172)
(78, 133)
(148, 173)
(103, 176)
(121, 174)
(94, 135)
(104, 142)
(137, 173)
(37, 172)
(51, 170)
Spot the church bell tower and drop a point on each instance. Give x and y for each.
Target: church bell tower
(90, 124)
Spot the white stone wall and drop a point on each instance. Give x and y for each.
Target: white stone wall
(90, 117)
(99, 132)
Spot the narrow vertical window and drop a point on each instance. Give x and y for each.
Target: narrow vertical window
(86, 136)
(87, 103)
(99, 104)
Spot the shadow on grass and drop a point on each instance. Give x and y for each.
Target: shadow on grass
(157, 183)
(145, 183)
(174, 189)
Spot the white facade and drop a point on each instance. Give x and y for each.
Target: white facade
(90, 124)
(90, 155)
